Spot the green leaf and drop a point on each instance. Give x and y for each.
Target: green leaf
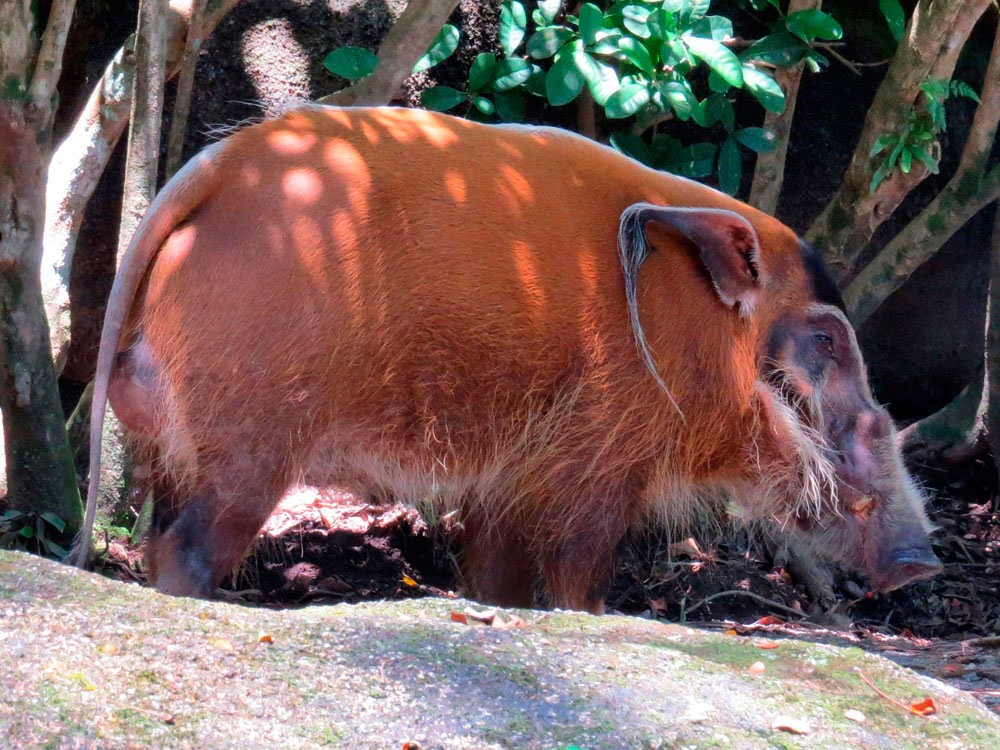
(443, 47)
(481, 71)
(513, 22)
(673, 52)
(682, 100)
(631, 145)
(511, 73)
(637, 54)
(730, 166)
(609, 46)
(761, 140)
(56, 550)
(926, 158)
(484, 105)
(719, 58)
(661, 24)
(716, 108)
(812, 24)
(602, 79)
(53, 520)
(626, 101)
(764, 88)
(880, 174)
(535, 85)
(591, 22)
(692, 10)
(549, 9)
(441, 98)
(905, 161)
(546, 42)
(663, 150)
(718, 28)
(780, 48)
(893, 13)
(883, 142)
(510, 105)
(563, 82)
(696, 160)
(717, 84)
(634, 19)
(351, 62)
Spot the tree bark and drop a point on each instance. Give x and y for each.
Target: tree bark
(969, 190)
(405, 43)
(991, 378)
(971, 420)
(934, 36)
(769, 173)
(185, 83)
(40, 473)
(80, 160)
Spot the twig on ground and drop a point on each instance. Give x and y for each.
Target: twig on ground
(756, 597)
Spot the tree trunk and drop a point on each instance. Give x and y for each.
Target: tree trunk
(80, 159)
(968, 423)
(40, 473)
(769, 173)
(141, 170)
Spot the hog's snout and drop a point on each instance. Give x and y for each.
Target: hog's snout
(905, 565)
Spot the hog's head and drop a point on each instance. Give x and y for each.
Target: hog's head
(858, 504)
(824, 459)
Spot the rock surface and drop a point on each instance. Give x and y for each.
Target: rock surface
(92, 663)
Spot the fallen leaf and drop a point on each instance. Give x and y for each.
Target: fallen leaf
(766, 645)
(265, 638)
(854, 715)
(657, 605)
(484, 616)
(769, 620)
(411, 746)
(757, 667)
(512, 621)
(222, 644)
(409, 581)
(731, 631)
(923, 707)
(460, 618)
(108, 648)
(690, 548)
(793, 726)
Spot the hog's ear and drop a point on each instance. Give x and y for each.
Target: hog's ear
(727, 243)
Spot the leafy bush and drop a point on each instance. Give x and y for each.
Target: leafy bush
(643, 63)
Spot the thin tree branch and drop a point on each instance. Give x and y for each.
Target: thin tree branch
(185, 83)
(48, 66)
(919, 240)
(143, 155)
(406, 41)
(769, 173)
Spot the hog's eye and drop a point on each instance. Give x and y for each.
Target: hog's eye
(824, 341)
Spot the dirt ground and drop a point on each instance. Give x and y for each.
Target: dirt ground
(328, 546)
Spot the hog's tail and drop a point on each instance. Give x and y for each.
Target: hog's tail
(190, 187)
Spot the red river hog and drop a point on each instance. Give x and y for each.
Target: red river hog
(510, 321)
